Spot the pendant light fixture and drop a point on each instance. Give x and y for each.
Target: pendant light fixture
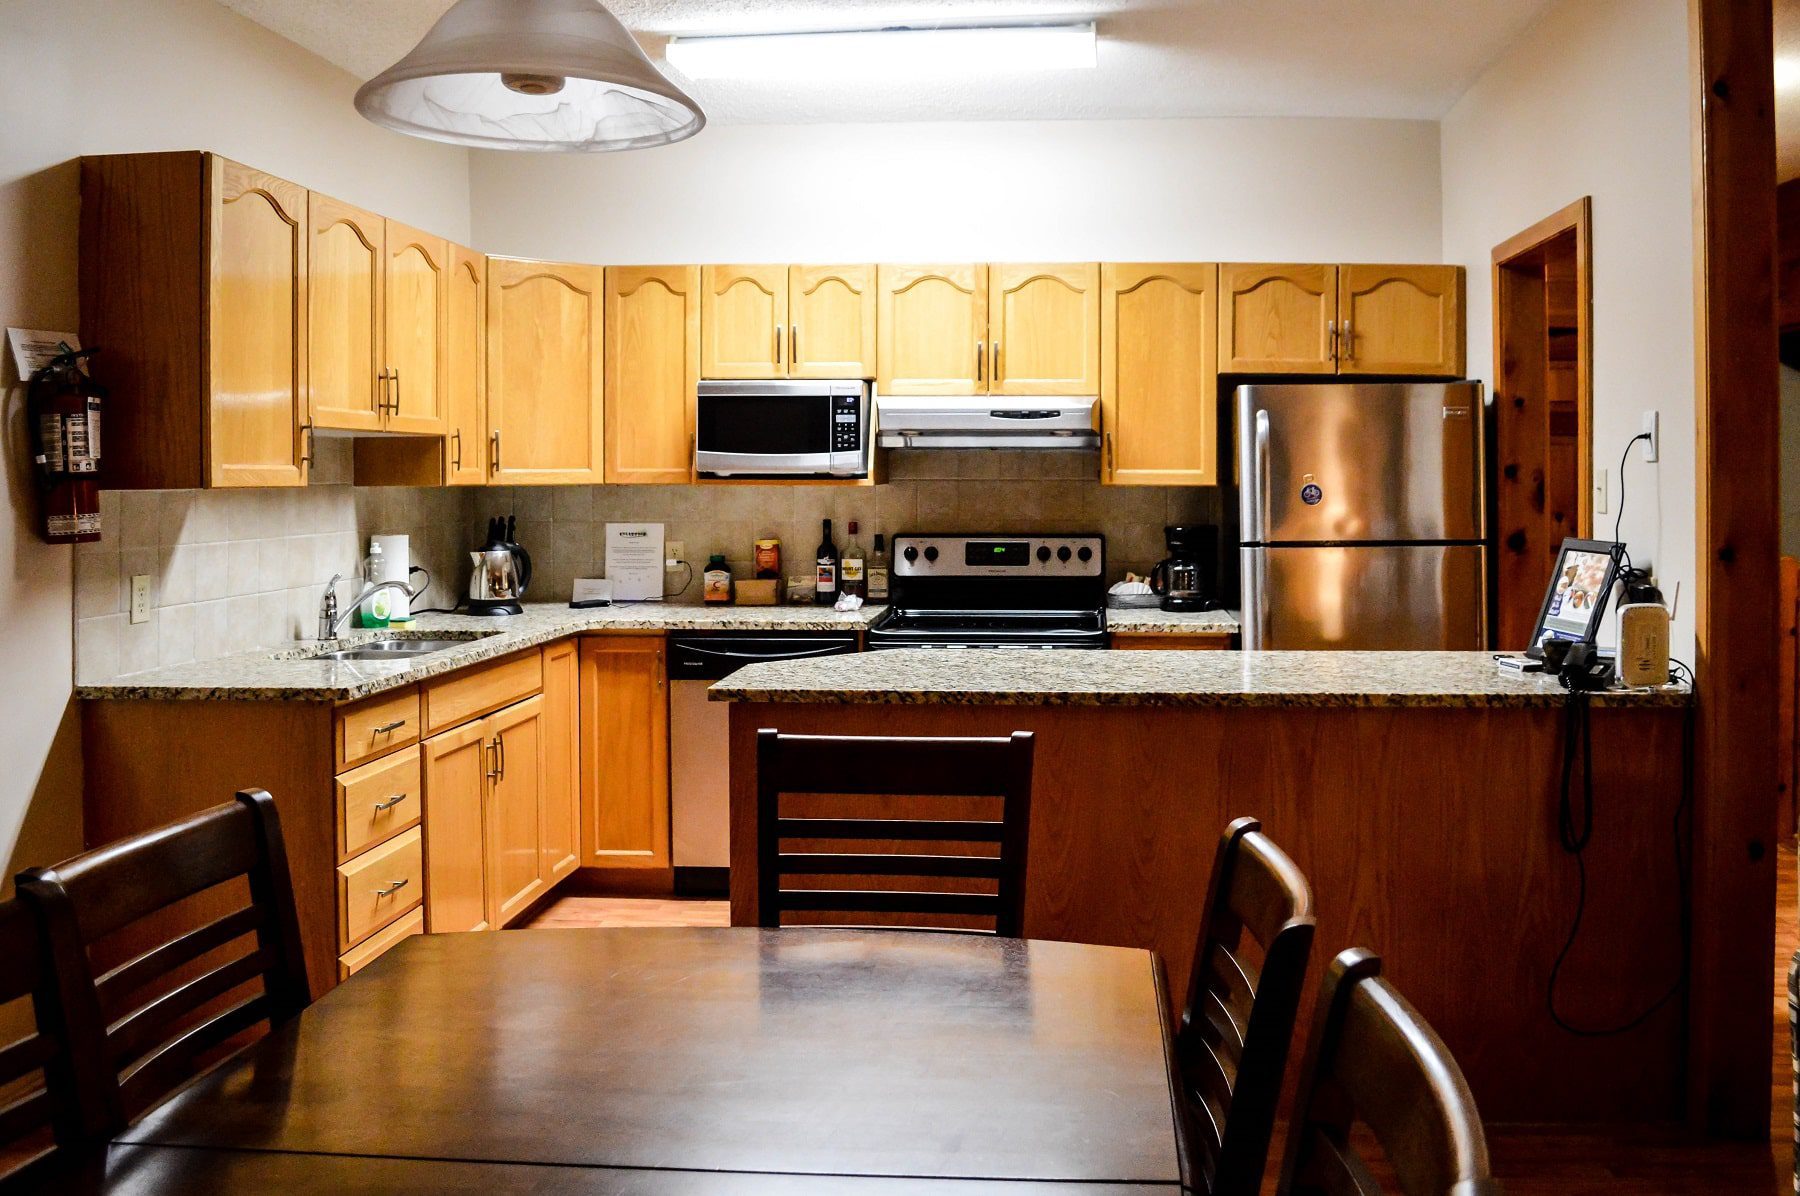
(530, 75)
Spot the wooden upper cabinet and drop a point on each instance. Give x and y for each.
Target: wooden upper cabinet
(831, 322)
(562, 760)
(515, 837)
(465, 369)
(931, 328)
(743, 316)
(652, 371)
(1400, 320)
(1159, 383)
(1043, 329)
(1277, 319)
(456, 766)
(344, 323)
(624, 753)
(256, 339)
(544, 398)
(414, 284)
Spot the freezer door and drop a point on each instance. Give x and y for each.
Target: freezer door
(1359, 462)
(1416, 597)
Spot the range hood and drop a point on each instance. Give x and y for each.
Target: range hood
(987, 421)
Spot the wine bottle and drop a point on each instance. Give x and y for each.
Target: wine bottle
(826, 584)
(853, 579)
(877, 575)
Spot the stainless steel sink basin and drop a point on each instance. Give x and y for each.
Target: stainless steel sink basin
(390, 649)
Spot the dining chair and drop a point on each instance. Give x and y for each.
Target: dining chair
(169, 1010)
(1249, 969)
(1373, 1062)
(965, 868)
(42, 1113)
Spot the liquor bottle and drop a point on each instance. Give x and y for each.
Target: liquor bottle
(826, 580)
(853, 577)
(877, 575)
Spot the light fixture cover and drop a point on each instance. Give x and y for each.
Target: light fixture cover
(530, 75)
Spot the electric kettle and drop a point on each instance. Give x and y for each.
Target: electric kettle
(1184, 580)
(501, 572)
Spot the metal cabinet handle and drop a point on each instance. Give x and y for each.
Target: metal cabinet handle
(393, 887)
(780, 345)
(306, 452)
(390, 803)
(1348, 339)
(394, 402)
(1109, 454)
(1331, 344)
(499, 756)
(384, 728)
(793, 344)
(998, 376)
(494, 465)
(981, 361)
(492, 772)
(456, 456)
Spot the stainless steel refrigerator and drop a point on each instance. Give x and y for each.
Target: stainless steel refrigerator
(1362, 515)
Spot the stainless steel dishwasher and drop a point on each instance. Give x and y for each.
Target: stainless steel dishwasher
(699, 751)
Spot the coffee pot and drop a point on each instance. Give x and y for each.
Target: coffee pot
(502, 570)
(1184, 579)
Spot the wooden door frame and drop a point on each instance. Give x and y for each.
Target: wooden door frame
(1738, 523)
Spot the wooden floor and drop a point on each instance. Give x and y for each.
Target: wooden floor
(1531, 1162)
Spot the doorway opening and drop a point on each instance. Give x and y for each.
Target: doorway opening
(1541, 434)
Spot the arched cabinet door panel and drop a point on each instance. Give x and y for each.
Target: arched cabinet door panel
(1159, 380)
(931, 323)
(545, 378)
(652, 371)
(744, 317)
(1400, 320)
(1043, 328)
(1277, 319)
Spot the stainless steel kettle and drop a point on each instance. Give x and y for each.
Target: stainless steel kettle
(501, 571)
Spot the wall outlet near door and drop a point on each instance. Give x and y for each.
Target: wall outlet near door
(1650, 429)
(140, 598)
(674, 553)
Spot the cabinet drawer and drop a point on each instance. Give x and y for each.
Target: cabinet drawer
(379, 886)
(467, 693)
(378, 801)
(362, 955)
(376, 726)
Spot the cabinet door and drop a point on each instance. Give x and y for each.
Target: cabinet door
(456, 768)
(562, 761)
(256, 347)
(413, 291)
(465, 369)
(743, 317)
(345, 368)
(831, 322)
(1277, 319)
(652, 371)
(624, 753)
(544, 404)
(1159, 374)
(1044, 329)
(1400, 320)
(516, 809)
(931, 326)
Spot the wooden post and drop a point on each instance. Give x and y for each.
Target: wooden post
(1737, 413)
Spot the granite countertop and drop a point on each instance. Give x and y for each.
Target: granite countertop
(976, 677)
(286, 674)
(1173, 622)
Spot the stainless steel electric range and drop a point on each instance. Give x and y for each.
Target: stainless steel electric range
(992, 591)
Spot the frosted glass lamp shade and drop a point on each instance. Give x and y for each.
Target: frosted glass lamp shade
(530, 75)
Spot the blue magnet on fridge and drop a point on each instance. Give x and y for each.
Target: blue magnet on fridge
(1310, 494)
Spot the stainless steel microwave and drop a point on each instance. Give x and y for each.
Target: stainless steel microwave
(783, 428)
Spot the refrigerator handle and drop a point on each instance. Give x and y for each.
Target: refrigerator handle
(1256, 627)
(1260, 492)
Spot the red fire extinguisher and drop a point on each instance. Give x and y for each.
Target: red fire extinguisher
(64, 408)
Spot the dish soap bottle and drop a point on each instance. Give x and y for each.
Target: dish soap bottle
(716, 581)
(379, 607)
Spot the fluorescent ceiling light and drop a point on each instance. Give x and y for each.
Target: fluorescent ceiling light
(791, 57)
(1787, 72)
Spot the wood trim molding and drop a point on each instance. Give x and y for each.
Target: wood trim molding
(1737, 515)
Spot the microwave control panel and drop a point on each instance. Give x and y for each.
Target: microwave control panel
(846, 423)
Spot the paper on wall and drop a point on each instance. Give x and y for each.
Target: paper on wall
(634, 561)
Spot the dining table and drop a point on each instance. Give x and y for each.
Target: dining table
(648, 1061)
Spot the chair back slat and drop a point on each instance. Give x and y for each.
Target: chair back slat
(1237, 1021)
(161, 1010)
(968, 868)
(1372, 1060)
(43, 1112)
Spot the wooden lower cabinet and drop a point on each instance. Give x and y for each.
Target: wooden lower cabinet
(562, 760)
(624, 752)
(456, 769)
(516, 810)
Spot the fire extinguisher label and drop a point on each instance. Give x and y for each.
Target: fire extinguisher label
(71, 443)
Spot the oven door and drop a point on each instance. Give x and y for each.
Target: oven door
(781, 428)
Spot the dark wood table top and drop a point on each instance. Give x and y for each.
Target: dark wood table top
(796, 1054)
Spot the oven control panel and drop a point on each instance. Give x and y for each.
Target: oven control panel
(999, 556)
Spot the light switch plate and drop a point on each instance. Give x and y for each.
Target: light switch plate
(140, 597)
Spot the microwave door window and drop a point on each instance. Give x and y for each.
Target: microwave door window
(765, 425)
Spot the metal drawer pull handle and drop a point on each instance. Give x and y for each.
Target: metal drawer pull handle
(393, 888)
(390, 803)
(456, 457)
(394, 405)
(384, 728)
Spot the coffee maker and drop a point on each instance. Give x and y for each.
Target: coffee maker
(1185, 579)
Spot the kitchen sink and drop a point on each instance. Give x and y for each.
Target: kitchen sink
(392, 649)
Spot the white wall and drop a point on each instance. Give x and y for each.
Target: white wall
(1594, 101)
(1199, 190)
(94, 76)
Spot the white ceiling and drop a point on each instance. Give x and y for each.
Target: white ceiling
(1158, 58)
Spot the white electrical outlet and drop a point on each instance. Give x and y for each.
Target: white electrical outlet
(140, 598)
(1599, 492)
(674, 553)
(1649, 429)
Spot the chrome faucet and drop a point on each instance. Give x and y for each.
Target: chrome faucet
(331, 622)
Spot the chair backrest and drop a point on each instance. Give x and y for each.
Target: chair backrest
(1231, 1045)
(972, 868)
(41, 1107)
(1373, 1061)
(166, 1010)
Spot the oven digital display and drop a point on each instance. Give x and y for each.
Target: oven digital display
(996, 552)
